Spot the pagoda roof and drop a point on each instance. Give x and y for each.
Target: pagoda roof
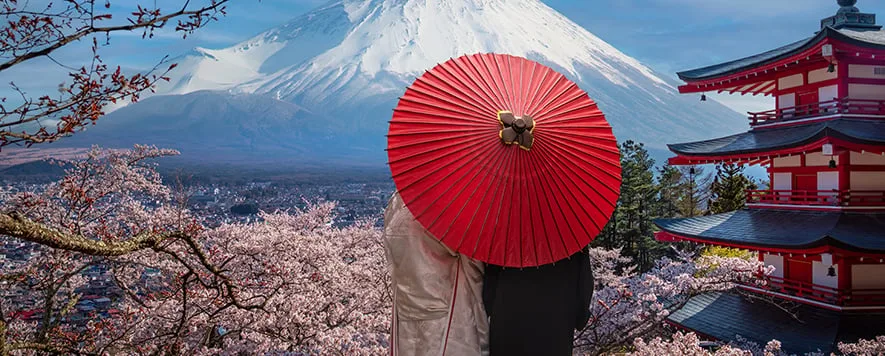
(762, 140)
(724, 316)
(784, 229)
(869, 39)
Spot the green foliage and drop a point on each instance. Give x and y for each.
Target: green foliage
(695, 187)
(631, 227)
(728, 190)
(729, 252)
(670, 191)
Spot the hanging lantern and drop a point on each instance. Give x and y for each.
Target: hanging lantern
(832, 163)
(703, 97)
(831, 272)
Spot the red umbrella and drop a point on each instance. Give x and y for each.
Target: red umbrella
(504, 160)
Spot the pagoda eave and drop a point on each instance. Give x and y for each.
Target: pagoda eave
(803, 329)
(783, 231)
(758, 74)
(758, 146)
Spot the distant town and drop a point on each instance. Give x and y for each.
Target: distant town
(214, 204)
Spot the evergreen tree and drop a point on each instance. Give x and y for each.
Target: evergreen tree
(695, 184)
(669, 192)
(728, 190)
(631, 225)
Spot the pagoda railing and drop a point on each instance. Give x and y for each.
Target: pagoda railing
(828, 295)
(841, 198)
(823, 108)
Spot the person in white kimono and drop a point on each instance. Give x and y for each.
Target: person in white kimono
(437, 293)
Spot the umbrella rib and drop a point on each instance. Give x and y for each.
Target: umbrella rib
(499, 163)
(492, 92)
(416, 166)
(567, 137)
(488, 160)
(499, 78)
(429, 150)
(537, 85)
(613, 190)
(561, 187)
(478, 117)
(516, 197)
(520, 99)
(550, 207)
(578, 95)
(471, 85)
(497, 88)
(524, 195)
(414, 115)
(498, 214)
(438, 139)
(472, 106)
(543, 100)
(568, 150)
(444, 178)
(533, 186)
(559, 165)
(419, 133)
(471, 73)
(581, 108)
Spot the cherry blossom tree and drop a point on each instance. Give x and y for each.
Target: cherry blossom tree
(40, 29)
(290, 283)
(629, 306)
(689, 344)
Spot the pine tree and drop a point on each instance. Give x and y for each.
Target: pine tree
(631, 225)
(695, 185)
(728, 190)
(669, 192)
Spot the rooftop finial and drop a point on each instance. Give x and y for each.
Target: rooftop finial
(847, 6)
(849, 17)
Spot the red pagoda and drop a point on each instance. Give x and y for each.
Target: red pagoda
(821, 223)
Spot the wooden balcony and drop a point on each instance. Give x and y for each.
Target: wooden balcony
(824, 294)
(834, 198)
(843, 106)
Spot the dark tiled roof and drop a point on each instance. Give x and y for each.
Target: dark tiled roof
(863, 38)
(761, 140)
(785, 228)
(724, 316)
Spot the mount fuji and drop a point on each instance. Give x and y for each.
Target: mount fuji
(322, 87)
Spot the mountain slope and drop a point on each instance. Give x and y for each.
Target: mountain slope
(348, 61)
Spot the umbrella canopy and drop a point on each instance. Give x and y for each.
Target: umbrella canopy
(504, 160)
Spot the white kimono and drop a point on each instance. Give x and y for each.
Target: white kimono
(437, 293)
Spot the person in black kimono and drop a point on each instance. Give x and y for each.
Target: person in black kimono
(536, 310)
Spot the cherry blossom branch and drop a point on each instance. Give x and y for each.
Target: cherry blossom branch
(144, 19)
(15, 225)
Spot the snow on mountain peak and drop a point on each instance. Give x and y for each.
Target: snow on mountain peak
(349, 60)
(402, 38)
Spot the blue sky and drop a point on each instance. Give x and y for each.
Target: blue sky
(667, 35)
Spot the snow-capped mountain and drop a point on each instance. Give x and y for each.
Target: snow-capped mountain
(346, 63)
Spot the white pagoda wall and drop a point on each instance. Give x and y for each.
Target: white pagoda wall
(777, 262)
(819, 275)
(867, 180)
(866, 91)
(868, 276)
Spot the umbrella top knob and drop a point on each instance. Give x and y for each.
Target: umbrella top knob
(516, 130)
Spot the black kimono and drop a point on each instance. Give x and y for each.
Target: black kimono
(535, 311)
